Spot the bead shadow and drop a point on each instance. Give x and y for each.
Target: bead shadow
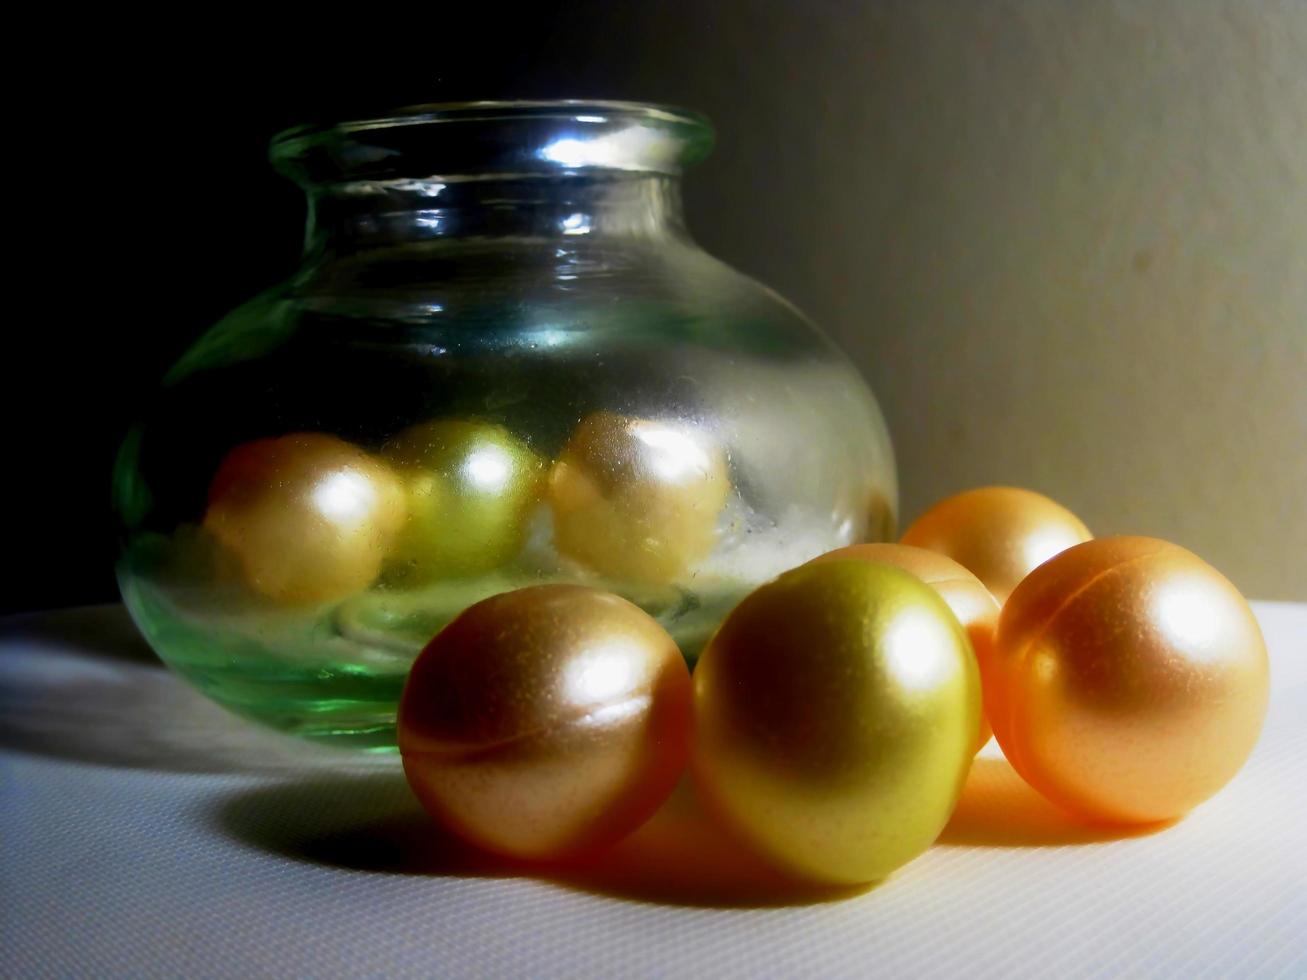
(372, 823)
(999, 809)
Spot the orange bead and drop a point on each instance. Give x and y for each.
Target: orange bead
(546, 722)
(1000, 534)
(1129, 682)
(309, 516)
(976, 609)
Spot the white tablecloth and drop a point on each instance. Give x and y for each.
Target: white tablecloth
(146, 833)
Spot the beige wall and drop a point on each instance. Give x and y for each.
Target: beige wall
(1066, 242)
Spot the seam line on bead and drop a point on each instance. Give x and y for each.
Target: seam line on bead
(463, 753)
(1066, 603)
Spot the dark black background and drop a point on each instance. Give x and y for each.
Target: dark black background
(147, 209)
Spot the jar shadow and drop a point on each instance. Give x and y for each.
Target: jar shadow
(372, 823)
(999, 809)
(82, 685)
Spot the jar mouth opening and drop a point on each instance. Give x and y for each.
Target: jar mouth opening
(494, 138)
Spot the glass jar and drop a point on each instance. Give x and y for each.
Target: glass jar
(503, 362)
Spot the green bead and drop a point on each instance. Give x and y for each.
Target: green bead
(835, 719)
(471, 488)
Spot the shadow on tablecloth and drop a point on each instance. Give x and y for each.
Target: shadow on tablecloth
(82, 685)
(999, 809)
(372, 823)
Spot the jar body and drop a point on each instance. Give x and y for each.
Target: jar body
(342, 465)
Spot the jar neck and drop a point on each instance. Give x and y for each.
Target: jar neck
(348, 217)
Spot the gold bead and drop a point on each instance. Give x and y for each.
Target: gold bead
(1130, 680)
(546, 722)
(637, 499)
(836, 712)
(976, 609)
(308, 516)
(1000, 534)
(470, 487)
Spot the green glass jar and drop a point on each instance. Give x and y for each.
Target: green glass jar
(503, 362)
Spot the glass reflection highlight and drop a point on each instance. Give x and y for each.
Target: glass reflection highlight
(610, 150)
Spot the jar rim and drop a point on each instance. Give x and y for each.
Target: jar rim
(674, 137)
(427, 113)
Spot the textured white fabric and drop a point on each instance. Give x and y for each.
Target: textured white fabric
(145, 833)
